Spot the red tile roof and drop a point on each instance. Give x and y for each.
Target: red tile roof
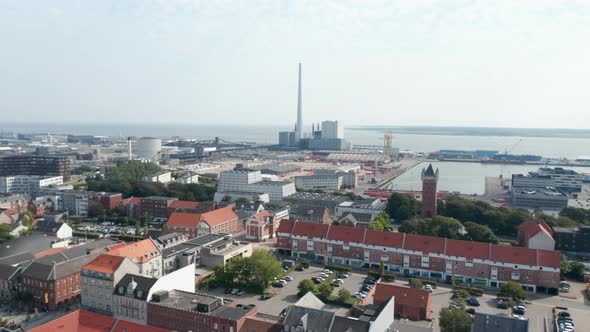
(286, 226)
(549, 258)
(126, 326)
(385, 239)
(468, 249)
(311, 229)
(50, 252)
(117, 246)
(212, 218)
(184, 205)
(424, 244)
(131, 200)
(531, 228)
(346, 234)
(78, 321)
(141, 251)
(9, 212)
(514, 255)
(105, 263)
(403, 295)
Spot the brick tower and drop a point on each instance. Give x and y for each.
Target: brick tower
(429, 181)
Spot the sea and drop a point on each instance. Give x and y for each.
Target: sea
(467, 178)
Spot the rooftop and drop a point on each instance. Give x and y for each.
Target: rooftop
(105, 263)
(212, 218)
(141, 251)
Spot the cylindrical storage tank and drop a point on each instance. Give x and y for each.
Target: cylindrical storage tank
(149, 148)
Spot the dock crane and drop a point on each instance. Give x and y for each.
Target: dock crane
(509, 149)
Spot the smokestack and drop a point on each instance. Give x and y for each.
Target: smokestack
(299, 129)
(129, 148)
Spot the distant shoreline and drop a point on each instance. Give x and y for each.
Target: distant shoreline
(479, 131)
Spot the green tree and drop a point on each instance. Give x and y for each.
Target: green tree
(513, 290)
(5, 235)
(565, 266)
(577, 214)
(576, 271)
(479, 233)
(401, 207)
(454, 320)
(324, 291)
(305, 285)
(265, 267)
(131, 170)
(343, 295)
(438, 226)
(415, 283)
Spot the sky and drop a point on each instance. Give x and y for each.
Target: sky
(515, 63)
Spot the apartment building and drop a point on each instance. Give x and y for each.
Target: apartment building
(145, 254)
(35, 165)
(27, 184)
(222, 220)
(156, 206)
(473, 263)
(249, 181)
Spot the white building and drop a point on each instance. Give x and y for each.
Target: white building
(27, 184)
(163, 177)
(332, 129)
(149, 148)
(321, 182)
(349, 176)
(248, 181)
(188, 178)
(565, 179)
(372, 206)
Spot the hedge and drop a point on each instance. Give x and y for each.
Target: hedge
(432, 283)
(475, 291)
(338, 268)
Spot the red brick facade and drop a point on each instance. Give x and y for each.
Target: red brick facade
(52, 294)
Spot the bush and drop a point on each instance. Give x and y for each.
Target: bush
(422, 282)
(415, 283)
(338, 268)
(343, 295)
(513, 290)
(324, 291)
(305, 286)
(475, 291)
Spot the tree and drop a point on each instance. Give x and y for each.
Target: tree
(577, 214)
(265, 267)
(513, 290)
(131, 170)
(415, 283)
(323, 291)
(454, 320)
(380, 223)
(343, 295)
(305, 286)
(5, 235)
(401, 207)
(438, 226)
(576, 271)
(479, 233)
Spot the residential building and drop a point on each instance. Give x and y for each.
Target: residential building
(224, 250)
(61, 230)
(170, 240)
(27, 184)
(495, 323)
(99, 278)
(184, 311)
(413, 303)
(87, 321)
(263, 225)
(35, 165)
(156, 207)
(133, 292)
(191, 207)
(109, 201)
(8, 281)
(188, 178)
(472, 263)
(321, 182)
(429, 192)
(162, 177)
(145, 254)
(15, 201)
(131, 207)
(249, 181)
(542, 198)
(572, 240)
(308, 213)
(535, 234)
(222, 220)
(54, 280)
(187, 253)
(9, 216)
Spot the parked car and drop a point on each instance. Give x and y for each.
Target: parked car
(472, 301)
(228, 290)
(427, 288)
(299, 268)
(264, 297)
(518, 317)
(335, 283)
(288, 278)
(342, 275)
(327, 271)
(518, 310)
(240, 293)
(278, 284)
(502, 304)
(234, 291)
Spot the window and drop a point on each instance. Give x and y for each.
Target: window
(515, 275)
(425, 261)
(469, 263)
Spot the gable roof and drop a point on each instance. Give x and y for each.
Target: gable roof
(105, 263)
(530, 228)
(384, 239)
(312, 319)
(489, 322)
(184, 205)
(310, 229)
(548, 258)
(212, 218)
(403, 295)
(48, 226)
(143, 284)
(346, 234)
(310, 211)
(286, 226)
(139, 252)
(468, 249)
(514, 255)
(424, 244)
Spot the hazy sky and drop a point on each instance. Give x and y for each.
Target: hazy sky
(415, 62)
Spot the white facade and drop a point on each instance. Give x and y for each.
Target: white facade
(149, 148)
(332, 129)
(188, 179)
(164, 177)
(64, 231)
(349, 177)
(564, 178)
(322, 182)
(541, 240)
(246, 181)
(27, 184)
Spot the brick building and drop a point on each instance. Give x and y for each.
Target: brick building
(183, 311)
(416, 304)
(535, 234)
(109, 201)
(429, 192)
(222, 220)
(472, 263)
(311, 213)
(156, 207)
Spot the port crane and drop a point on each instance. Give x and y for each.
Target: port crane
(509, 149)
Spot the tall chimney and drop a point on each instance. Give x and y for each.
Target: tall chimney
(129, 148)
(299, 129)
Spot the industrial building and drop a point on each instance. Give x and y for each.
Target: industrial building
(149, 148)
(248, 181)
(542, 198)
(565, 179)
(319, 182)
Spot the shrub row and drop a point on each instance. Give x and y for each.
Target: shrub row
(475, 291)
(432, 283)
(339, 268)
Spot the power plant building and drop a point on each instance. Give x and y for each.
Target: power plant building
(149, 148)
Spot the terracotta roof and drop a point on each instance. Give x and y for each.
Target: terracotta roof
(346, 234)
(264, 213)
(127, 326)
(424, 244)
(131, 200)
(192, 220)
(385, 239)
(50, 252)
(117, 246)
(311, 229)
(514, 255)
(468, 249)
(531, 228)
(9, 212)
(403, 295)
(105, 263)
(141, 251)
(549, 258)
(184, 205)
(78, 321)
(286, 226)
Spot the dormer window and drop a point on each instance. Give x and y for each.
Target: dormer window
(121, 290)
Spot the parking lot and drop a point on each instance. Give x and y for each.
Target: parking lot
(288, 295)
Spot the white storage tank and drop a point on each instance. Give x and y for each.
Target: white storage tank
(149, 148)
